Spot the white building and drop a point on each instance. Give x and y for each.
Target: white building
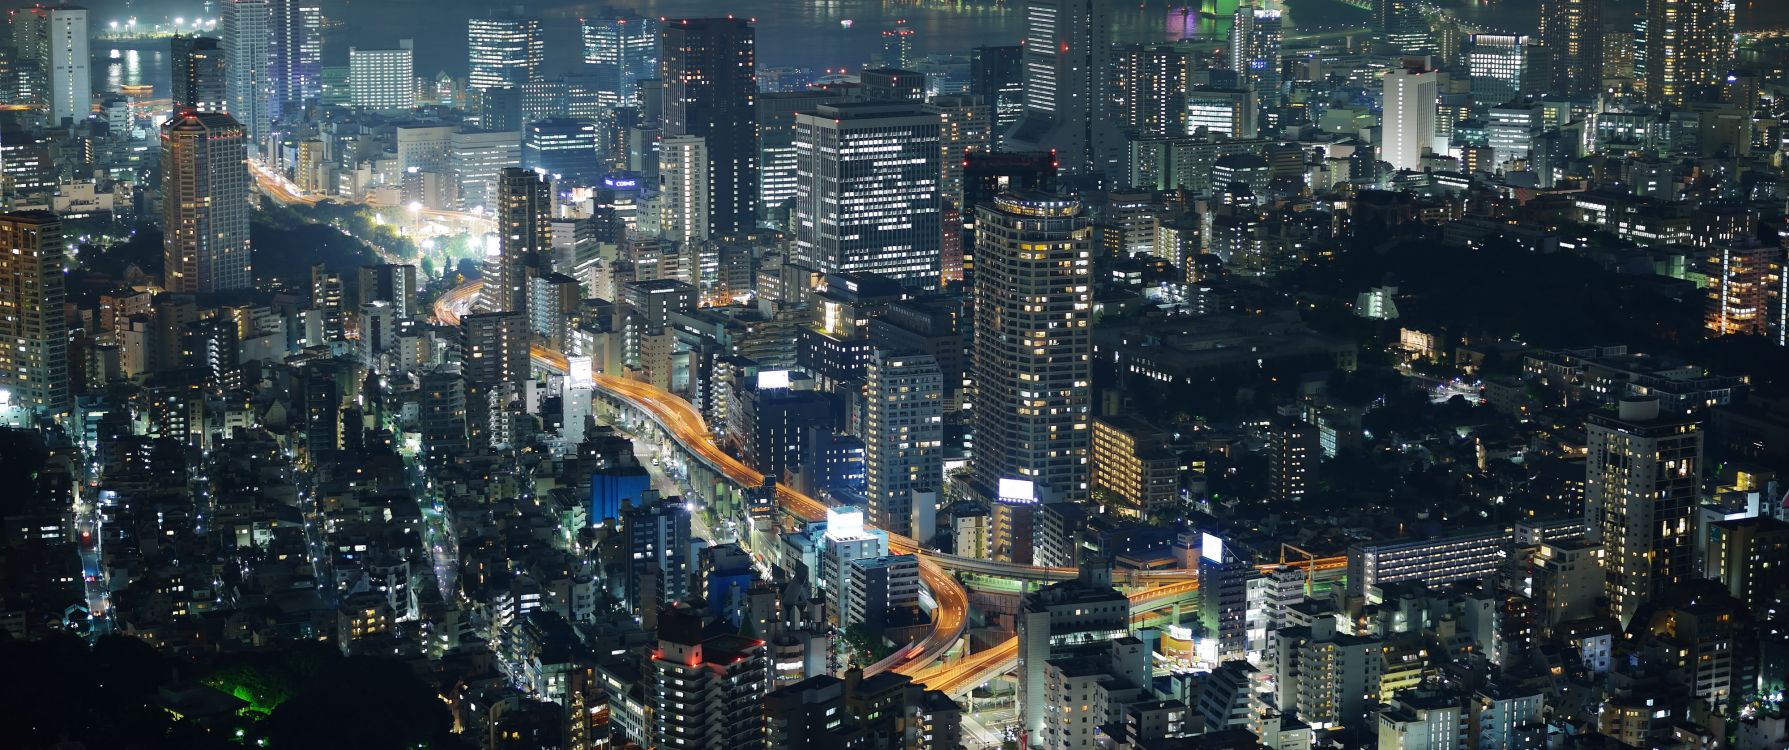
(904, 440)
(71, 85)
(248, 81)
(683, 189)
(1409, 119)
(476, 157)
(382, 78)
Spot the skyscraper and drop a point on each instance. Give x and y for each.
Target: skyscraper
(66, 58)
(503, 51)
(198, 74)
(707, 691)
(866, 193)
(1067, 58)
(34, 362)
(1255, 51)
(564, 149)
(708, 66)
(382, 78)
(1499, 67)
(903, 439)
(996, 74)
(205, 209)
(477, 157)
(1409, 119)
(1400, 24)
(248, 80)
(1643, 473)
(1031, 362)
(1151, 83)
(496, 347)
(1689, 44)
(683, 189)
(297, 55)
(524, 208)
(1571, 33)
(621, 51)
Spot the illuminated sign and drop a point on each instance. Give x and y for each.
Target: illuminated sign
(1211, 548)
(773, 379)
(844, 523)
(1017, 491)
(579, 371)
(617, 182)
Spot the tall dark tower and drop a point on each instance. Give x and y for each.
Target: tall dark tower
(524, 208)
(709, 69)
(198, 74)
(1572, 35)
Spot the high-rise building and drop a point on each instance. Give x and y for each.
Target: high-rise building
(897, 45)
(707, 691)
(1409, 119)
(1230, 112)
(524, 209)
(776, 142)
(1500, 67)
(1689, 46)
(892, 85)
(248, 78)
(382, 78)
(866, 193)
(1293, 453)
(997, 75)
(904, 440)
(476, 157)
(34, 362)
(66, 59)
(620, 52)
(197, 66)
(708, 66)
(1067, 60)
(391, 283)
(564, 149)
(205, 207)
(988, 174)
(1571, 34)
(496, 347)
(1400, 24)
(504, 51)
(1739, 286)
(1150, 84)
(1255, 51)
(1031, 359)
(963, 127)
(1643, 473)
(683, 189)
(297, 55)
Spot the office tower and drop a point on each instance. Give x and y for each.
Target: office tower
(997, 75)
(1571, 35)
(524, 208)
(1643, 472)
(903, 440)
(564, 149)
(391, 283)
(1230, 112)
(866, 194)
(205, 208)
(297, 50)
(1255, 51)
(1409, 119)
(1060, 620)
(198, 74)
(620, 52)
(503, 51)
(1739, 286)
(708, 67)
(658, 561)
(248, 80)
(65, 57)
(963, 127)
(1400, 24)
(892, 85)
(707, 691)
(1499, 65)
(1689, 46)
(34, 362)
(1030, 362)
(382, 78)
(496, 347)
(776, 143)
(683, 189)
(500, 108)
(1150, 83)
(1067, 60)
(897, 45)
(477, 157)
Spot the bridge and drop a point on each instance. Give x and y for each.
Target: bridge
(679, 421)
